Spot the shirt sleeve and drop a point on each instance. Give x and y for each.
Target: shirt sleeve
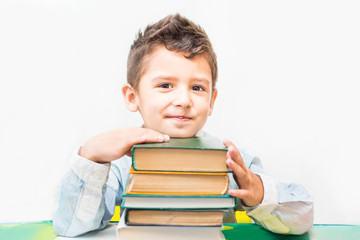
(287, 208)
(80, 204)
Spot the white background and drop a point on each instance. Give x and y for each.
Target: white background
(288, 90)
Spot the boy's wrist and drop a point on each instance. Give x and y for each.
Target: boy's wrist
(270, 197)
(85, 154)
(89, 171)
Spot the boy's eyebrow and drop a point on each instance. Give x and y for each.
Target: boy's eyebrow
(165, 77)
(203, 80)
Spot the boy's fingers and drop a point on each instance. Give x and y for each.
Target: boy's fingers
(234, 152)
(235, 155)
(153, 138)
(148, 135)
(156, 136)
(239, 193)
(227, 142)
(239, 171)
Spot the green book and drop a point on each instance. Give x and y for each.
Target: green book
(178, 201)
(197, 154)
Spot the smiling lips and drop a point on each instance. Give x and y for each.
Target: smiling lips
(180, 118)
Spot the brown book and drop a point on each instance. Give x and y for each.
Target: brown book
(174, 218)
(125, 231)
(197, 154)
(177, 183)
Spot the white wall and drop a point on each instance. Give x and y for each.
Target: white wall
(288, 90)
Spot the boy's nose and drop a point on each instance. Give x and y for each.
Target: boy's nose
(182, 98)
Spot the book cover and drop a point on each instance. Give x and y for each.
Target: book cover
(155, 217)
(177, 183)
(198, 154)
(178, 201)
(125, 231)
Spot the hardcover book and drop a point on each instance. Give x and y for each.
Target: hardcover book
(177, 183)
(197, 154)
(153, 217)
(125, 231)
(178, 202)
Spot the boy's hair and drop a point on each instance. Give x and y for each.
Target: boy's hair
(176, 33)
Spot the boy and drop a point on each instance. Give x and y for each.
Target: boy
(172, 72)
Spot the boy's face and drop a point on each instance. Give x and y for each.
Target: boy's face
(174, 95)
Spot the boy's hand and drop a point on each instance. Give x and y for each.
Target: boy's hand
(112, 145)
(251, 189)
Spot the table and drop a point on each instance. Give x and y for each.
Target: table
(44, 231)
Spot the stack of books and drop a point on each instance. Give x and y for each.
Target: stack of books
(176, 190)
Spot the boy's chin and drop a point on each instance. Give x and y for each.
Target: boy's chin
(177, 133)
(181, 134)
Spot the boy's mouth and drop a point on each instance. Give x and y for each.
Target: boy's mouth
(179, 118)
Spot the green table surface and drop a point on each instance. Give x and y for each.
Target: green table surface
(44, 231)
(318, 232)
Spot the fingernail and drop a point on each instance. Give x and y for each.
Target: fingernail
(161, 138)
(231, 192)
(167, 138)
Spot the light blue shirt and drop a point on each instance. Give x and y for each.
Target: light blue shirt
(89, 192)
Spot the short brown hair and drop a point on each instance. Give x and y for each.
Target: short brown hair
(176, 33)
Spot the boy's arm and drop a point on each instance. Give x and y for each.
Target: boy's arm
(80, 202)
(285, 208)
(88, 193)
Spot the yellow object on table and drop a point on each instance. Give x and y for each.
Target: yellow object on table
(241, 217)
(116, 216)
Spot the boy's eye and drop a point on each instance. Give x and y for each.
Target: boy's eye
(197, 88)
(165, 85)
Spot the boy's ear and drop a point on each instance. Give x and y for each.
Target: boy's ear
(212, 100)
(130, 97)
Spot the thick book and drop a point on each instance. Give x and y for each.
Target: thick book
(153, 217)
(177, 183)
(125, 231)
(178, 202)
(197, 154)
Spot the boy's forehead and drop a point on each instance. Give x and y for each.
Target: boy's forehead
(161, 57)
